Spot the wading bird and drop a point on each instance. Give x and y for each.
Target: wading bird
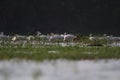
(68, 37)
(3, 37)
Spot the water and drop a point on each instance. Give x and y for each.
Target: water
(60, 70)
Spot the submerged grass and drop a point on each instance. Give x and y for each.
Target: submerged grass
(59, 52)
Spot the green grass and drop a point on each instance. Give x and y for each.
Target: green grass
(58, 52)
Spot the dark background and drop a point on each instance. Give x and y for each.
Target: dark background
(58, 16)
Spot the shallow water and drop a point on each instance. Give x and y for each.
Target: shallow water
(60, 70)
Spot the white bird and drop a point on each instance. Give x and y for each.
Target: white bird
(38, 33)
(114, 39)
(91, 37)
(68, 37)
(3, 37)
(19, 37)
(41, 36)
(56, 37)
(30, 38)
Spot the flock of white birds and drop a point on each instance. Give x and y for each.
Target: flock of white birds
(49, 37)
(110, 38)
(52, 37)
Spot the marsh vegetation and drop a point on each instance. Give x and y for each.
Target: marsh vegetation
(59, 52)
(55, 46)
